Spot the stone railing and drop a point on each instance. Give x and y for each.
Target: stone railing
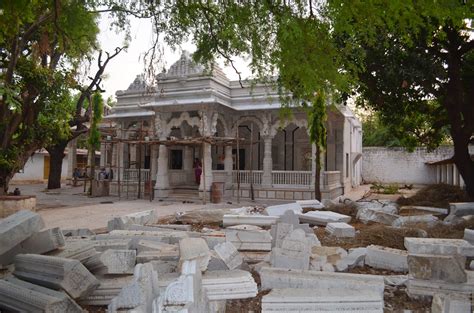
(131, 174)
(246, 177)
(292, 178)
(331, 178)
(448, 174)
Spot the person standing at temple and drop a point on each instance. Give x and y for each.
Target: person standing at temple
(197, 170)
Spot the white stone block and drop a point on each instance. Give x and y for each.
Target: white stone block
(41, 242)
(118, 261)
(323, 217)
(138, 295)
(355, 258)
(309, 300)
(229, 254)
(195, 249)
(461, 208)
(17, 228)
(422, 287)
(366, 215)
(20, 296)
(430, 220)
(469, 235)
(278, 232)
(294, 252)
(378, 206)
(108, 289)
(340, 230)
(253, 240)
(318, 281)
(226, 285)
(451, 304)
(57, 273)
(279, 210)
(387, 258)
(257, 220)
(312, 204)
(448, 268)
(439, 246)
(138, 218)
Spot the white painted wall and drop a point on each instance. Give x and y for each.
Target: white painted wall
(34, 167)
(396, 165)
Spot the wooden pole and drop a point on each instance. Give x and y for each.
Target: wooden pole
(238, 165)
(252, 197)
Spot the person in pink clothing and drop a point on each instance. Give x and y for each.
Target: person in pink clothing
(197, 170)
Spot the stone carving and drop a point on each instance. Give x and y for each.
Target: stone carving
(204, 129)
(185, 66)
(214, 123)
(138, 83)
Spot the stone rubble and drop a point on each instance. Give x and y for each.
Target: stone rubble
(141, 266)
(18, 227)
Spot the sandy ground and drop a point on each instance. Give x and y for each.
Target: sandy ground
(69, 207)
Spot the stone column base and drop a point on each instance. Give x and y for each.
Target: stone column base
(162, 193)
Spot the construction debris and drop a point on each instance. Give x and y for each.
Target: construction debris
(142, 265)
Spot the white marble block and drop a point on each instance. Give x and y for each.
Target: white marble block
(439, 246)
(226, 285)
(257, 220)
(279, 210)
(253, 240)
(17, 228)
(195, 249)
(387, 258)
(340, 230)
(57, 273)
(118, 261)
(323, 217)
(229, 255)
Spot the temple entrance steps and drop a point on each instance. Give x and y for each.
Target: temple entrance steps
(185, 193)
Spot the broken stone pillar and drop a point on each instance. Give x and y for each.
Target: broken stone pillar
(17, 228)
(323, 217)
(226, 285)
(114, 244)
(451, 304)
(326, 258)
(257, 220)
(279, 210)
(137, 296)
(21, 296)
(402, 221)
(469, 235)
(386, 258)
(289, 217)
(42, 242)
(108, 289)
(461, 208)
(138, 218)
(117, 262)
(80, 250)
(309, 300)
(158, 255)
(448, 268)
(249, 239)
(340, 230)
(439, 246)
(229, 255)
(366, 215)
(294, 252)
(195, 249)
(183, 294)
(356, 257)
(284, 278)
(56, 273)
(279, 231)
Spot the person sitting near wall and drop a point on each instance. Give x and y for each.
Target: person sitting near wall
(102, 174)
(197, 170)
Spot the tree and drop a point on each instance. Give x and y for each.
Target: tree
(80, 112)
(417, 69)
(411, 61)
(41, 45)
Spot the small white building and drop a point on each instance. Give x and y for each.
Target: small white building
(36, 169)
(190, 103)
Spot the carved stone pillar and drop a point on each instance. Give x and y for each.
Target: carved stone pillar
(206, 176)
(228, 166)
(153, 161)
(162, 185)
(267, 162)
(133, 155)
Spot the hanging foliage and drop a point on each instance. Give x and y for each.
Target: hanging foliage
(97, 111)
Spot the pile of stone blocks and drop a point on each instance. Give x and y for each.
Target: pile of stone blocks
(437, 268)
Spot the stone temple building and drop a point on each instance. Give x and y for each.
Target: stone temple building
(236, 133)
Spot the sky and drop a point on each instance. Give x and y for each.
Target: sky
(122, 70)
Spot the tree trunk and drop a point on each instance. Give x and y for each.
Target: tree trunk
(317, 178)
(56, 154)
(463, 162)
